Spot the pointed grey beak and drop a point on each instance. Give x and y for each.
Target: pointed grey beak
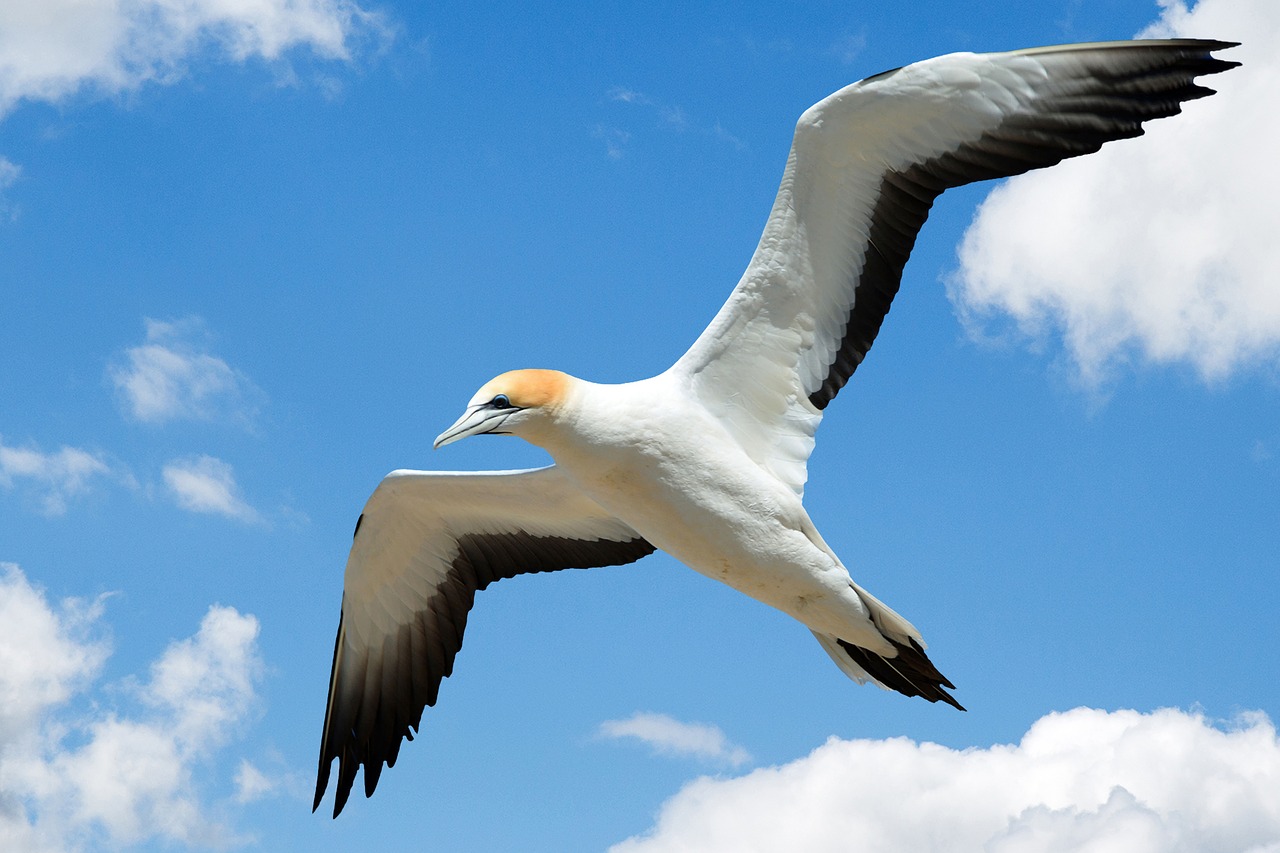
(475, 420)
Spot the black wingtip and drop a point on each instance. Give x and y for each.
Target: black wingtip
(347, 769)
(1209, 64)
(322, 782)
(1214, 65)
(372, 771)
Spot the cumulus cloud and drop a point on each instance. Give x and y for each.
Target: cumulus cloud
(208, 485)
(45, 654)
(1159, 250)
(669, 736)
(53, 478)
(1081, 780)
(75, 774)
(50, 49)
(171, 376)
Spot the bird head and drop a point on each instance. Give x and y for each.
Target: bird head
(514, 403)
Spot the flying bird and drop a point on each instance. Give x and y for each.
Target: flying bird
(707, 461)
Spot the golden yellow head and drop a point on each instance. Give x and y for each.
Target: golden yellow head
(510, 404)
(526, 389)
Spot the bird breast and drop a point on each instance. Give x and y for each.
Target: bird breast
(664, 465)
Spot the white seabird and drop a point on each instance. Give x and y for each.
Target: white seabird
(707, 460)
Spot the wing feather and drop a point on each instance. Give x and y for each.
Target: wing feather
(865, 166)
(424, 545)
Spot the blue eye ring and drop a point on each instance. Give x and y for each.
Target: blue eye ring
(501, 402)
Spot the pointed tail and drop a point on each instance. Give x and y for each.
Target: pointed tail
(909, 671)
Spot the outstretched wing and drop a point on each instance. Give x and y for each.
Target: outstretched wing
(865, 166)
(426, 542)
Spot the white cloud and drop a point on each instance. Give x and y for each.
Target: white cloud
(1160, 248)
(1080, 780)
(45, 655)
(74, 775)
(172, 377)
(669, 736)
(205, 484)
(54, 477)
(50, 49)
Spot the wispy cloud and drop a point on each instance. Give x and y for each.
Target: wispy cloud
(628, 96)
(849, 46)
(172, 376)
(615, 140)
(208, 485)
(53, 478)
(252, 784)
(669, 736)
(77, 775)
(1081, 780)
(1160, 249)
(726, 136)
(669, 117)
(9, 174)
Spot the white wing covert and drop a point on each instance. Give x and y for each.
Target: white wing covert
(865, 165)
(425, 543)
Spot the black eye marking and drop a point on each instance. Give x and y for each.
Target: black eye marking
(501, 402)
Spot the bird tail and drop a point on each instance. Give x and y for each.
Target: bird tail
(909, 671)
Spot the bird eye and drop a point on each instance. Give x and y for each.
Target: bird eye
(500, 402)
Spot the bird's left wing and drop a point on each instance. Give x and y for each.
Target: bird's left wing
(425, 543)
(866, 164)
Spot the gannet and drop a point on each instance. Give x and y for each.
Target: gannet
(707, 461)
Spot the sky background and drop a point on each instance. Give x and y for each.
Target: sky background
(255, 255)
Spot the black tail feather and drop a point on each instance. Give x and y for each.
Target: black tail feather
(910, 672)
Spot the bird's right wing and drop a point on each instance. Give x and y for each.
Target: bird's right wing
(425, 543)
(865, 166)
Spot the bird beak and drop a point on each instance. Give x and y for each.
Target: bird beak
(474, 421)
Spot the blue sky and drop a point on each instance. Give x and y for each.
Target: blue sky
(255, 256)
